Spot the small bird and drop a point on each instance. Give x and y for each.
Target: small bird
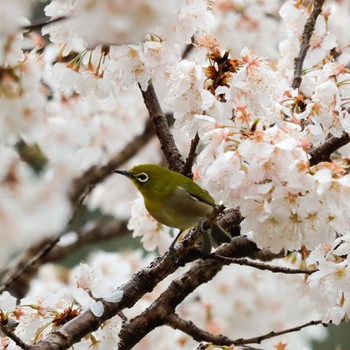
(173, 199)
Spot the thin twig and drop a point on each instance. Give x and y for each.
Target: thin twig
(187, 168)
(9, 333)
(305, 43)
(260, 266)
(162, 130)
(259, 339)
(43, 22)
(31, 262)
(198, 334)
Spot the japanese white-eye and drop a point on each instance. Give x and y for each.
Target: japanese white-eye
(172, 198)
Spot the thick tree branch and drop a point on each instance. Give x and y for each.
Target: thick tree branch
(143, 282)
(162, 130)
(200, 273)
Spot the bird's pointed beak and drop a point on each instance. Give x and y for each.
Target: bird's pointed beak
(125, 173)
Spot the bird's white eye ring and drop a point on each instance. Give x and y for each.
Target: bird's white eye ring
(143, 177)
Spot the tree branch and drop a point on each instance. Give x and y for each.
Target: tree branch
(141, 283)
(9, 333)
(305, 43)
(144, 282)
(200, 335)
(188, 49)
(260, 266)
(30, 263)
(46, 249)
(187, 167)
(43, 22)
(323, 152)
(166, 139)
(258, 340)
(201, 272)
(18, 287)
(188, 327)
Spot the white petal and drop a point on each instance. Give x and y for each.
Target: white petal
(115, 296)
(82, 297)
(97, 308)
(7, 302)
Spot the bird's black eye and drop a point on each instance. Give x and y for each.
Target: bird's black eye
(143, 177)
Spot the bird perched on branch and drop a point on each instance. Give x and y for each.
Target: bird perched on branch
(176, 201)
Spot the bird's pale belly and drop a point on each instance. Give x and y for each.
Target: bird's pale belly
(179, 211)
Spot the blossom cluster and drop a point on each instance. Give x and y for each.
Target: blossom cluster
(332, 278)
(14, 16)
(46, 310)
(119, 54)
(286, 204)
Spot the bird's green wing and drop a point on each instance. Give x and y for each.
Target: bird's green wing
(198, 192)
